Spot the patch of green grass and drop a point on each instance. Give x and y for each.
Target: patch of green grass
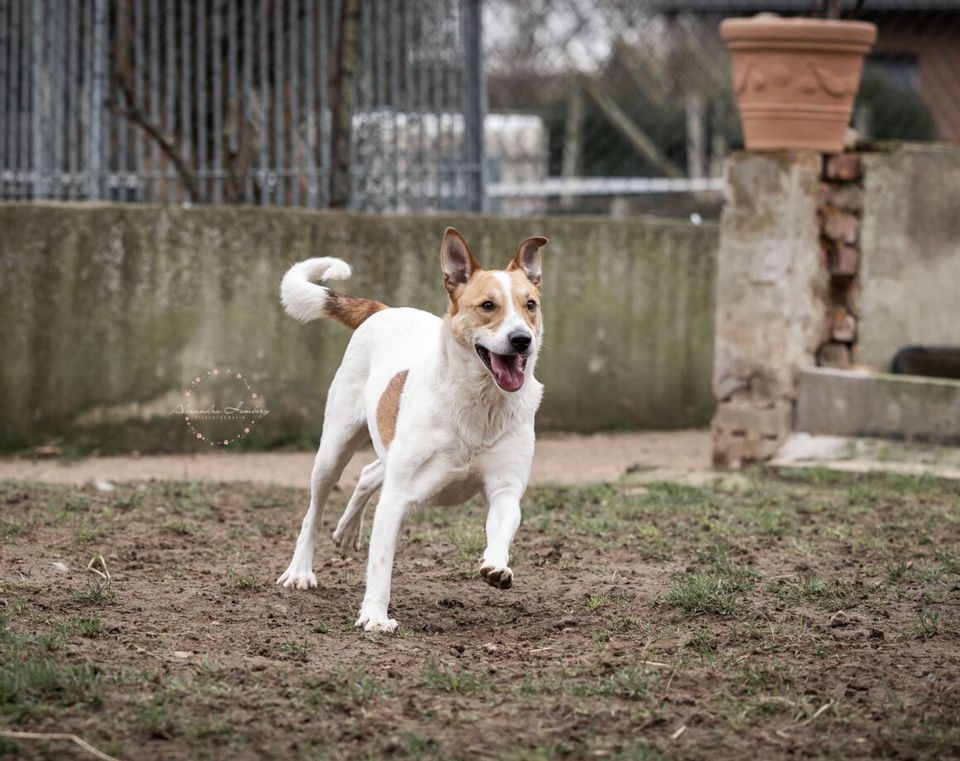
(11, 528)
(895, 571)
(629, 683)
(595, 602)
(927, 626)
(98, 592)
(438, 678)
(344, 685)
(813, 589)
(180, 528)
(241, 581)
(127, 502)
(89, 626)
(296, 650)
(716, 592)
(88, 530)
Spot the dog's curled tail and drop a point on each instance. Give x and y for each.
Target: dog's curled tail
(304, 300)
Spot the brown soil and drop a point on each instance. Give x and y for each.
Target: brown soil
(781, 619)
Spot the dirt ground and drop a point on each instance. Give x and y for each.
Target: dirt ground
(560, 458)
(801, 615)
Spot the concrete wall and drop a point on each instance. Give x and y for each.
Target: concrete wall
(910, 244)
(107, 312)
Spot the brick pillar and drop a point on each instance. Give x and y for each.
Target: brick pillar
(772, 291)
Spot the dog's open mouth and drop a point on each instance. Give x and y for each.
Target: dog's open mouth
(507, 369)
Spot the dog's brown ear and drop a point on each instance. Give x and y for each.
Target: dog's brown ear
(456, 261)
(528, 259)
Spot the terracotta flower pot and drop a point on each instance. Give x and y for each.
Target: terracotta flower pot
(796, 79)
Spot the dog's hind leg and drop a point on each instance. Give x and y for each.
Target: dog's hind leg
(347, 534)
(344, 429)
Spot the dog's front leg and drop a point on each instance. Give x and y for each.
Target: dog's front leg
(387, 522)
(503, 519)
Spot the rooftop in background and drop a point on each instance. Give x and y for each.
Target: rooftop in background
(799, 7)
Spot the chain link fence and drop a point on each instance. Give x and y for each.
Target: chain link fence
(607, 106)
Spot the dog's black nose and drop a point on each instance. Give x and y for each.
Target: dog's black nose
(519, 340)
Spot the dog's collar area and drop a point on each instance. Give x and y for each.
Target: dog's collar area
(507, 369)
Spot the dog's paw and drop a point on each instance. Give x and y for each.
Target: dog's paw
(298, 577)
(374, 621)
(499, 576)
(347, 538)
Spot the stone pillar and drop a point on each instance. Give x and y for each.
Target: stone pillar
(772, 290)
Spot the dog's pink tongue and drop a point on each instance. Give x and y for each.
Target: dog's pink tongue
(508, 370)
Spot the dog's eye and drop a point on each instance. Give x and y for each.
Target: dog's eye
(488, 306)
(532, 305)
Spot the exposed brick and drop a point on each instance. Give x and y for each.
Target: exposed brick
(844, 166)
(823, 197)
(841, 227)
(851, 298)
(843, 325)
(834, 355)
(848, 197)
(844, 260)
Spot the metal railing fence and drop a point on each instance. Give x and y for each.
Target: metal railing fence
(366, 104)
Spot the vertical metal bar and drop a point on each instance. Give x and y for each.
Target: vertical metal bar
(186, 82)
(86, 74)
(169, 84)
(152, 194)
(72, 104)
(278, 98)
(5, 87)
(140, 70)
(420, 57)
(98, 89)
(264, 103)
(202, 171)
(449, 151)
(233, 72)
(380, 186)
(474, 103)
(36, 95)
(360, 161)
(247, 89)
(309, 86)
(395, 99)
(407, 100)
(437, 150)
(123, 19)
(296, 163)
(216, 63)
(57, 122)
(323, 116)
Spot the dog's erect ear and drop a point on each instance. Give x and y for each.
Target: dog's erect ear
(528, 259)
(456, 261)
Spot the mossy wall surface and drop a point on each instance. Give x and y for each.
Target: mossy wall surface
(108, 311)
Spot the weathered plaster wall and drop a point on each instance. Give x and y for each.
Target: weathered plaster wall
(771, 290)
(910, 243)
(107, 312)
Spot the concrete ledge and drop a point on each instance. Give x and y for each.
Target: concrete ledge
(843, 403)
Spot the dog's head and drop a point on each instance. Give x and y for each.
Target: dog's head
(495, 314)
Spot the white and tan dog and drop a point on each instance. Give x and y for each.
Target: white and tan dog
(449, 404)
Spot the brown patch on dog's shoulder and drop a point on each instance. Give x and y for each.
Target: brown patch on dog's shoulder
(389, 407)
(350, 310)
